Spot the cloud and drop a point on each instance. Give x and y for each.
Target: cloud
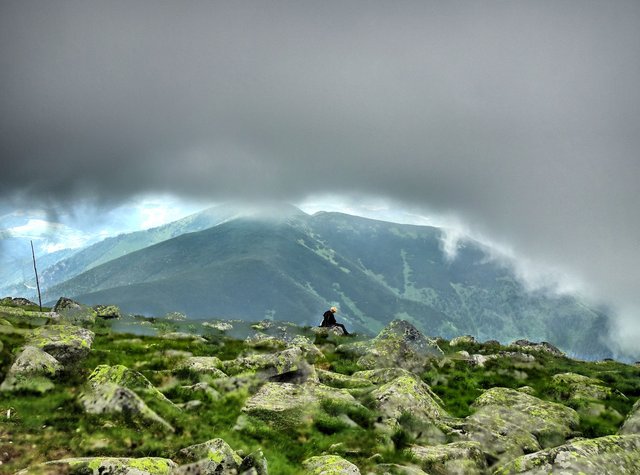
(518, 118)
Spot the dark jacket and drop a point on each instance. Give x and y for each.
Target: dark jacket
(328, 319)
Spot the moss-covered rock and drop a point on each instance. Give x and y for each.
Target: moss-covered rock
(104, 466)
(408, 395)
(509, 423)
(209, 365)
(285, 406)
(329, 465)
(73, 312)
(112, 400)
(399, 345)
(255, 463)
(133, 380)
(107, 312)
(631, 424)
(32, 370)
(458, 457)
(529, 346)
(396, 469)
(310, 351)
(66, 343)
(264, 341)
(281, 366)
(577, 386)
(337, 380)
(202, 391)
(611, 455)
(215, 451)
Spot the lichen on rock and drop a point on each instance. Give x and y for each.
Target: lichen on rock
(114, 400)
(106, 465)
(611, 455)
(399, 344)
(577, 386)
(329, 465)
(32, 370)
(631, 424)
(457, 457)
(226, 460)
(66, 343)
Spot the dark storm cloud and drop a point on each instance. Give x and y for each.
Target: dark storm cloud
(522, 118)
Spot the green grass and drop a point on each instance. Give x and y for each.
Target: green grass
(54, 426)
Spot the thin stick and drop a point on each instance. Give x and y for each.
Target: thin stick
(36, 271)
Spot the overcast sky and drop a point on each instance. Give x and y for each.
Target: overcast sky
(520, 118)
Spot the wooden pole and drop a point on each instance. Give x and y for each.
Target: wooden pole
(36, 271)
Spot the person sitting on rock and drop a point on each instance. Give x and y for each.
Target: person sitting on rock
(329, 320)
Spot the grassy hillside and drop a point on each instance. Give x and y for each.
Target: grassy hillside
(54, 426)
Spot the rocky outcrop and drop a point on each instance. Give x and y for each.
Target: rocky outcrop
(201, 391)
(130, 379)
(576, 386)
(18, 302)
(220, 326)
(337, 380)
(284, 366)
(32, 370)
(214, 453)
(107, 312)
(285, 406)
(73, 312)
(611, 455)
(632, 422)
(209, 365)
(526, 345)
(401, 345)
(329, 465)
(104, 466)
(263, 341)
(408, 395)
(458, 457)
(113, 400)
(462, 340)
(508, 423)
(66, 343)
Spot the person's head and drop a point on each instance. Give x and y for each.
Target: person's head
(333, 309)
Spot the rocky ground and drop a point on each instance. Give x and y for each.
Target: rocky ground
(90, 391)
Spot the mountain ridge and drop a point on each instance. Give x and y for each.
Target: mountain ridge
(292, 267)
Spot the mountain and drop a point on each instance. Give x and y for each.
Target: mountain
(123, 244)
(291, 267)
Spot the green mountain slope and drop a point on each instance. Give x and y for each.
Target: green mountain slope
(294, 267)
(123, 244)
